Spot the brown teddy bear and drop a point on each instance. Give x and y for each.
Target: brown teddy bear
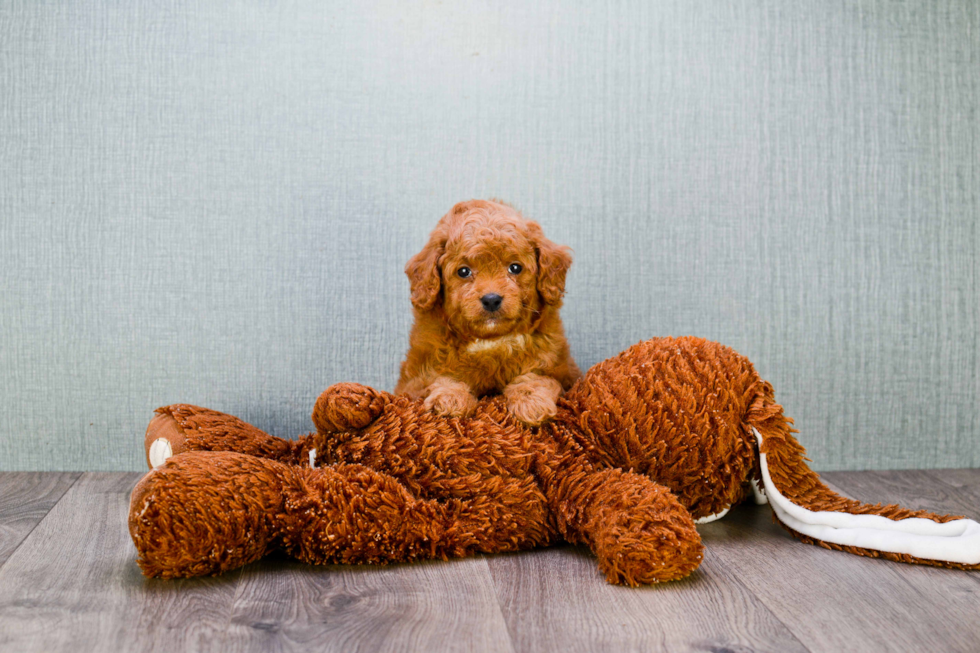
(670, 432)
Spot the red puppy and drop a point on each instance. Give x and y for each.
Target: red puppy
(486, 290)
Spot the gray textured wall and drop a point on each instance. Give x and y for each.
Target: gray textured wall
(213, 202)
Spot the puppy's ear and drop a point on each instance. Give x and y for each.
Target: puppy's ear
(423, 271)
(553, 263)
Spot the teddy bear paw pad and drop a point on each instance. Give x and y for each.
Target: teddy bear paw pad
(160, 450)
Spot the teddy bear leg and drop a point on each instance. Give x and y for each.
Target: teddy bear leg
(348, 407)
(637, 529)
(351, 514)
(182, 427)
(206, 512)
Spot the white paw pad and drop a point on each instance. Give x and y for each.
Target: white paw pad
(714, 517)
(159, 452)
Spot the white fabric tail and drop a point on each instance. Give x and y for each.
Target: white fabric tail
(954, 541)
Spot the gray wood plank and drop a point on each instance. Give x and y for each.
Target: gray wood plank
(950, 491)
(943, 491)
(833, 601)
(556, 600)
(25, 498)
(74, 585)
(966, 486)
(284, 605)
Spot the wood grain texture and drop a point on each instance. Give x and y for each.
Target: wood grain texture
(947, 491)
(837, 602)
(556, 600)
(965, 484)
(73, 585)
(25, 498)
(951, 491)
(283, 605)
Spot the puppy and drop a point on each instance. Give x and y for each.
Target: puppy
(486, 290)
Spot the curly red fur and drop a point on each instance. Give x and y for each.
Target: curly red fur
(458, 350)
(645, 443)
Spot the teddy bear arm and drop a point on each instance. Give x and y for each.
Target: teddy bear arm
(348, 407)
(637, 529)
(182, 427)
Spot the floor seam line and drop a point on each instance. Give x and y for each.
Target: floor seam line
(500, 608)
(733, 574)
(41, 520)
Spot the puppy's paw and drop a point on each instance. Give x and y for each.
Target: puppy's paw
(450, 397)
(532, 398)
(531, 409)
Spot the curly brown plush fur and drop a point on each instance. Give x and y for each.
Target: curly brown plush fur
(640, 447)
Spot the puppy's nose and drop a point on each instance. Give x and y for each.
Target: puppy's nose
(491, 302)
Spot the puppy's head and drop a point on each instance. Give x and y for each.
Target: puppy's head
(489, 269)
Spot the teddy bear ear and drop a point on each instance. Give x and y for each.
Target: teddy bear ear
(424, 274)
(553, 263)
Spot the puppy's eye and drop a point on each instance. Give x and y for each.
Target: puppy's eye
(515, 268)
(464, 272)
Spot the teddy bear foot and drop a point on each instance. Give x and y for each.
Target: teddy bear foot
(180, 428)
(206, 512)
(638, 530)
(667, 551)
(164, 438)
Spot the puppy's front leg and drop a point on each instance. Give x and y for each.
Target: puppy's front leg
(448, 396)
(532, 398)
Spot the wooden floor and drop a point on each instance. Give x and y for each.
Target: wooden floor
(68, 581)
